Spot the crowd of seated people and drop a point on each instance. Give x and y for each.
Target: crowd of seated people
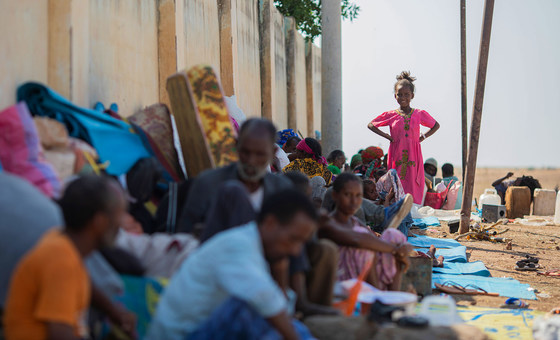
(255, 244)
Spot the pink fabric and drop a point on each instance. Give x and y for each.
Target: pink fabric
(407, 142)
(302, 145)
(353, 260)
(386, 265)
(21, 153)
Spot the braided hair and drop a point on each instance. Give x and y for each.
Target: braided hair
(405, 79)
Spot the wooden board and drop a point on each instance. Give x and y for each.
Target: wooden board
(206, 134)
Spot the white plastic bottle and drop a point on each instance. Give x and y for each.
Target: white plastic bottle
(490, 196)
(557, 209)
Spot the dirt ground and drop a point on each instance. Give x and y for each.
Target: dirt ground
(541, 242)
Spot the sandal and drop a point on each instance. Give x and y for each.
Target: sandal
(555, 272)
(527, 266)
(451, 287)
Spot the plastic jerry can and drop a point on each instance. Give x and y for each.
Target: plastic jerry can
(557, 210)
(544, 202)
(490, 196)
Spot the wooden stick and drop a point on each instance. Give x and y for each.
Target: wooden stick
(464, 87)
(476, 117)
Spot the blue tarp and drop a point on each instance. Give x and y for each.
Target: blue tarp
(425, 242)
(507, 287)
(470, 268)
(423, 223)
(457, 254)
(114, 139)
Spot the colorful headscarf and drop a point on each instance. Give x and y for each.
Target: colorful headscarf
(284, 135)
(302, 145)
(357, 158)
(372, 153)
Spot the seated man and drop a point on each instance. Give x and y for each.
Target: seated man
(225, 287)
(255, 147)
(430, 171)
(50, 289)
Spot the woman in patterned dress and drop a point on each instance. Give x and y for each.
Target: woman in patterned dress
(310, 161)
(405, 153)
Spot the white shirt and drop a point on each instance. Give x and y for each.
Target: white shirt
(230, 264)
(282, 157)
(257, 198)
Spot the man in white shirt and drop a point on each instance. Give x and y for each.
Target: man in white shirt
(225, 290)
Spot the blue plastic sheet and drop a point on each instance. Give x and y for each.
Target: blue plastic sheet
(469, 268)
(114, 140)
(507, 287)
(426, 241)
(457, 254)
(423, 223)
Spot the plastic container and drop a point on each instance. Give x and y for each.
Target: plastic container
(490, 196)
(440, 310)
(557, 210)
(544, 202)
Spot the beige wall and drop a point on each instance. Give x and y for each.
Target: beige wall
(123, 51)
(247, 80)
(23, 46)
(123, 54)
(280, 102)
(198, 34)
(274, 104)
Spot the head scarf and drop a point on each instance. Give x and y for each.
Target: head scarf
(302, 145)
(431, 161)
(357, 158)
(372, 153)
(318, 186)
(284, 135)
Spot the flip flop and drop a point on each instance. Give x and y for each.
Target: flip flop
(450, 287)
(555, 272)
(527, 267)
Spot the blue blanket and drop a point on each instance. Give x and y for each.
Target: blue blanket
(426, 241)
(423, 223)
(470, 268)
(114, 139)
(457, 254)
(507, 287)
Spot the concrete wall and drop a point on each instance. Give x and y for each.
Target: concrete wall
(23, 21)
(123, 52)
(274, 95)
(198, 34)
(240, 48)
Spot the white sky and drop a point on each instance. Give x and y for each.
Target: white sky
(520, 118)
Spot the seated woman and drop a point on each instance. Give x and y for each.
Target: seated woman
(336, 160)
(371, 161)
(358, 244)
(310, 161)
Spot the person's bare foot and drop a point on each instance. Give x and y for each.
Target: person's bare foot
(436, 262)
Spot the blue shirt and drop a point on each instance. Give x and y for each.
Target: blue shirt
(230, 264)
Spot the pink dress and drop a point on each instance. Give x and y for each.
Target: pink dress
(405, 153)
(352, 261)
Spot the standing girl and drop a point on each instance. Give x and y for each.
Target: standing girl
(405, 153)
